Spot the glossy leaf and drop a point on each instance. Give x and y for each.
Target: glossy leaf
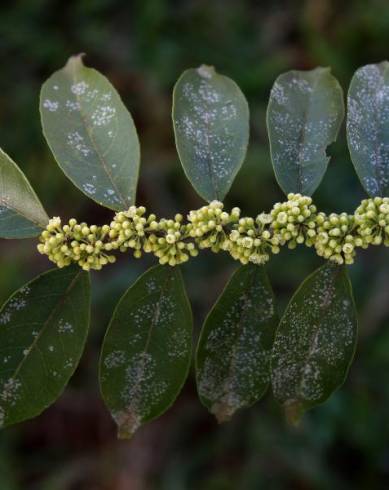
(211, 126)
(304, 115)
(43, 328)
(91, 134)
(315, 341)
(233, 356)
(147, 349)
(368, 127)
(21, 213)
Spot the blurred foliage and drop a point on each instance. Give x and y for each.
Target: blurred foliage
(142, 46)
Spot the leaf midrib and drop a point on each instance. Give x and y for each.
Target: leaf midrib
(96, 148)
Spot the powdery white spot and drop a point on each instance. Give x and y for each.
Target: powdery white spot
(51, 348)
(65, 327)
(69, 363)
(103, 115)
(72, 106)
(5, 317)
(89, 188)
(76, 141)
(50, 105)
(143, 387)
(111, 196)
(79, 88)
(115, 359)
(9, 391)
(90, 95)
(177, 347)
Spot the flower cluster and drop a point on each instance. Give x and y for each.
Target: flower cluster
(372, 220)
(173, 241)
(85, 245)
(294, 221)
(209, 226)
(335, 238)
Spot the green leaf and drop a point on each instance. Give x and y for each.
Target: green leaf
(147, 349)
(211, 126)
(43, 328)
(368, 127)
(233, 356)
(304, 115)
(21, 213)
(315, 341)
(91, 134)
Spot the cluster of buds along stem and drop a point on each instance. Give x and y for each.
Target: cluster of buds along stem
(336, 240)
(209, 226)
(372, 220)
(293, 221)
(88, 246)
(252, 240)
(173, 241)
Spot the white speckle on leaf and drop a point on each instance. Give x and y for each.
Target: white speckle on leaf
(89, 188)
(103, 115)
(65, 327)
(76, 141)
(50, 105)
(5, 318)
(115, 359)
(79, 88)
(72, 106)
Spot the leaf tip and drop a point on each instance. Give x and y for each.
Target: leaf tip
(74, 62)
(206, 71)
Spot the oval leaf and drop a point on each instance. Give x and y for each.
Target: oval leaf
(211, 127)
(233, 356)
(368, 127)
(91, 134)
(304, 115)
(315, 341)
(43, 328)
(147, 349)
(21, 213)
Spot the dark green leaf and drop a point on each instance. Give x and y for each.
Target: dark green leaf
(233, 356)
(43, 328)
(315, 341)
(368, 127)
(91, 134)
(147, 349)
(211, 126)
(21, 213)
(304, 115)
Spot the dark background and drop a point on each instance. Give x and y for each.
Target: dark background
(142, 47)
